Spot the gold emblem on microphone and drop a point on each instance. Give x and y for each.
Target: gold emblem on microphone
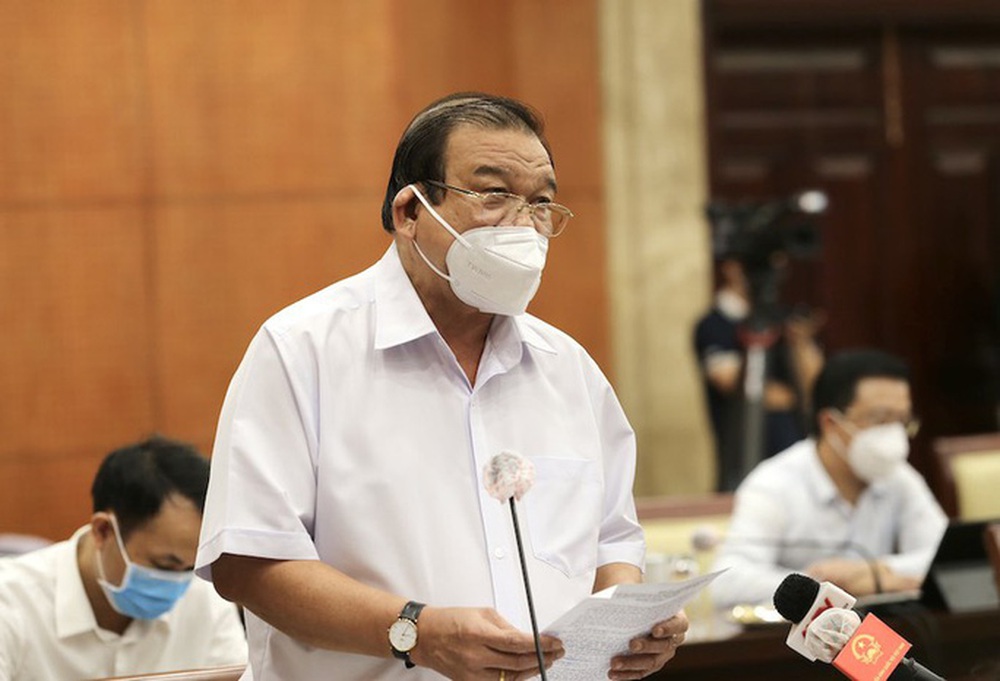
(866, 649)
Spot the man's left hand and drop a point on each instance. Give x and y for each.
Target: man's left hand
(649, 653)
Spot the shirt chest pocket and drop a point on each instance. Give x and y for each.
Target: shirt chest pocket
(564, 513)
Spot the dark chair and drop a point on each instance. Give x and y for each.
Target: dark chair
(991, 537)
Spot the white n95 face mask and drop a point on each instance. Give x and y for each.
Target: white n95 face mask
(876, 453)
(494, 269)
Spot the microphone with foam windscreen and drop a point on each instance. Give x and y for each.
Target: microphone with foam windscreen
(800, 600)
(507, 477)
(862, 650)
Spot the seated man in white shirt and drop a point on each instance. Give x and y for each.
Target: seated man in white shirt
(118, 597)
(845, 506)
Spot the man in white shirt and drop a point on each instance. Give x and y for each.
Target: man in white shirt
(117, 598)
(845, 507)
(346, 482)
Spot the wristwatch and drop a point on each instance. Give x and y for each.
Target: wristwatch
(403, 633)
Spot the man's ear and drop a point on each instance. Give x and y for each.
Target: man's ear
(825, 421)
(101, 529)
(405, 208)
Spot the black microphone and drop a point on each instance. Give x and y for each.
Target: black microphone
(833, 633)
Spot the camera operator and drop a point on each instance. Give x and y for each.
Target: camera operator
(752, 251)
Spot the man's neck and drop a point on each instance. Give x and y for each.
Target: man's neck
(463, 328)
(465, 333)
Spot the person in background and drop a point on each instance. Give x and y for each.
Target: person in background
(793, 361)
(845, 506)
(117, 597)
(346, 484)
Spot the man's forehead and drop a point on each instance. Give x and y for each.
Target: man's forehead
(501, 152)
(881, 390)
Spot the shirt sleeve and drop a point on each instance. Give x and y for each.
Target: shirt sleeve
(262, 489)
(621, 538)
(922, 523)
(751, 561)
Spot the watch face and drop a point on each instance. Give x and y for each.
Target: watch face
(403, 635)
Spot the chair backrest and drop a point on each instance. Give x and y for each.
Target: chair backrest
(991, 537)
(230, 673)
(970, 475)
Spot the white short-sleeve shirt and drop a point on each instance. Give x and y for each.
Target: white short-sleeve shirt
(351, 435)
(48, 629)
(788, 514)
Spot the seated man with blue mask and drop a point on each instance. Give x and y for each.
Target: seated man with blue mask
(117, 597)
(843, 506)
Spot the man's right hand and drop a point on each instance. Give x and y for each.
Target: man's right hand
(477, 643)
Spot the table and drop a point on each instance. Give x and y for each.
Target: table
(957, 646)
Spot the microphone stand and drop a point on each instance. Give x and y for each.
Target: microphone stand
(527, 591)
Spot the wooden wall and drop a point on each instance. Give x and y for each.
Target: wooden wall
(174, 171)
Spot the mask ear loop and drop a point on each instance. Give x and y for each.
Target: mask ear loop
(839, 446)
(434, 267)
(443, 223)
(437, 216)
(121, 550)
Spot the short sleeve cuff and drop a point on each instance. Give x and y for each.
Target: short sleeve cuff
(633, 553)
(256, 544)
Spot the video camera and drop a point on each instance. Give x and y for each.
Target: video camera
(754, 233)
(762, 237)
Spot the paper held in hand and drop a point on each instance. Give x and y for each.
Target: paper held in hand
(601, 626)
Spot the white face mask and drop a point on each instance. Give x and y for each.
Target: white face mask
(732, 305)
(496, 270)
(876, 453)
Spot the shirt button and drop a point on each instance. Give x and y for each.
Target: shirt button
(499, 553)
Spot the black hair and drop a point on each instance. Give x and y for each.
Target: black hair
(837, 384)
(420, 152)
(134, 481)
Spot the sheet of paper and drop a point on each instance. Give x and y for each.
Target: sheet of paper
(601, 626)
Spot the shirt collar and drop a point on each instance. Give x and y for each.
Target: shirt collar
(819, 479)
(529, 335)
(74, 614)
(823, 486)
(400, 315)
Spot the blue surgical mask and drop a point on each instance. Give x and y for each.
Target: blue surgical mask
(145, 593)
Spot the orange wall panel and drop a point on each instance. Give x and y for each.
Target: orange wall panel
(172, 172)
(77, 334)
(264, 97)
(224, 268)
(69, 118)
(48, 496)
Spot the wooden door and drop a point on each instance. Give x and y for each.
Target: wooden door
(894, 112)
